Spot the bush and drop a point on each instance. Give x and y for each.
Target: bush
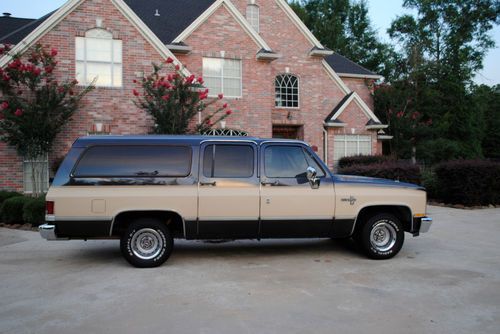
(430, 182)
(469, 182)
(7, 194)
(12, 209)
(34, 211)
(393, 170)
(363, 160)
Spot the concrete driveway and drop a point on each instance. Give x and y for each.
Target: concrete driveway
(446, 281)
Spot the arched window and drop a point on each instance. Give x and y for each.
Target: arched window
(253, 16)
(99, 57)
(286, 87)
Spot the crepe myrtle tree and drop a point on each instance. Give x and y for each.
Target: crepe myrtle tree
(173, 100)
(34, 106)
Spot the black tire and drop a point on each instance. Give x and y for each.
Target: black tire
(381, 237)
(146, 243)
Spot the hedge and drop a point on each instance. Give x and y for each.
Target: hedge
(34, 211)
(7, 194)
(468, 182)
(12, 209)
(363, 160)
(393, 170)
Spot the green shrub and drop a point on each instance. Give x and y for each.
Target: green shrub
(469, 182)
(34, 211)
(430, 182)
(12, 209)
(363, 160)
(7, 194)
(393, 170)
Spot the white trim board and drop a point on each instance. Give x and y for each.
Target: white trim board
(69, 7)
(366, 110)
(299, 24)
(234, 12)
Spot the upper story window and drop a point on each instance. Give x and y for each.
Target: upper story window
(286, 87)
(253, 16)
(99, 57)
(222, 76)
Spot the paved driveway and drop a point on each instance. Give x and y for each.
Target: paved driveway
(447, 281)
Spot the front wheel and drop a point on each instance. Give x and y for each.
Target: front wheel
(146, 243)
(381, 237)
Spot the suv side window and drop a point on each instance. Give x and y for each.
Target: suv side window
(228, 161)
(282, 161)
(135, 161)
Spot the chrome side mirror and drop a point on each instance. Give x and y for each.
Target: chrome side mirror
(311, 174)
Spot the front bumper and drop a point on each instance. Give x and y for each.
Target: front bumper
(48, 231)
(421, 225)
(425, 224)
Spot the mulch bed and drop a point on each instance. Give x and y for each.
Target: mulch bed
(24, 227)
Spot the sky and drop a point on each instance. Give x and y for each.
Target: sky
(382, 12)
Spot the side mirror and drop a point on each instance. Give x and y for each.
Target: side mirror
(311, 174)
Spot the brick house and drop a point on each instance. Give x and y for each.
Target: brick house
(278, 78)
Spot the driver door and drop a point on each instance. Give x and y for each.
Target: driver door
(289, 206)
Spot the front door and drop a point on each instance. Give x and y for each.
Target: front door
(228, 191)
(289, 206)
(288, 132)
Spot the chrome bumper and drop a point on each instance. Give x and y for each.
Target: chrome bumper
(48, 232)
(425, 224)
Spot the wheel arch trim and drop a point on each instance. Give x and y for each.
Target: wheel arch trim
(147, 210)
(382, 205)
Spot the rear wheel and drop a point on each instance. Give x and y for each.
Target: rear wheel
(381, 237)
(146, 243)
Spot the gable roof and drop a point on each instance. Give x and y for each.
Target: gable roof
(373, 120)
(52, 19)
(347, 68)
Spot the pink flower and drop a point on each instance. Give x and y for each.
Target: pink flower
(19, 112)
(200, 80)
(177, 67)
(221, 96)
(134, 81)
(5, 105)
(2, 116)
(169, 60)
(208, 122)
(71, 92)
(60, 89)
(135, 92)
(224, 105)
(49, 69)
(53, 52)
(190, 79)
(165, 97)
(399, 114)
(74, 82)
(229, 112)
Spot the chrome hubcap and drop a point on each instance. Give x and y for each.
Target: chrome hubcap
(383, 236)
(146, 243)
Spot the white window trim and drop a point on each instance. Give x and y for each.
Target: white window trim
(298, 91)
(343, 139)
(256, 8)
(221, 77)
(112, 63)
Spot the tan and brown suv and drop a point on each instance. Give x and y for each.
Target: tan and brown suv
(148, 190)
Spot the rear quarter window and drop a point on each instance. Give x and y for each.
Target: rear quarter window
(134, 161)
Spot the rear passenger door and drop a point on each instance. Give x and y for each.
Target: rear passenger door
(228, 190)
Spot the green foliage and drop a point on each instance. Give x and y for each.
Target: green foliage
(34, 105)
(12, 209)
(362, 160)
(488, 100)
(393, 170)
(173, 100)
(468, 182)
(34, 211)
(344, 26)
(7, 194)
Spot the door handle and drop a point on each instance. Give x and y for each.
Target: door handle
(213, 183)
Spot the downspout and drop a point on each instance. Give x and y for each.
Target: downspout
(325, 146)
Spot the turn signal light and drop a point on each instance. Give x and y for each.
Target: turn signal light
(49, 207)
(419, 215)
